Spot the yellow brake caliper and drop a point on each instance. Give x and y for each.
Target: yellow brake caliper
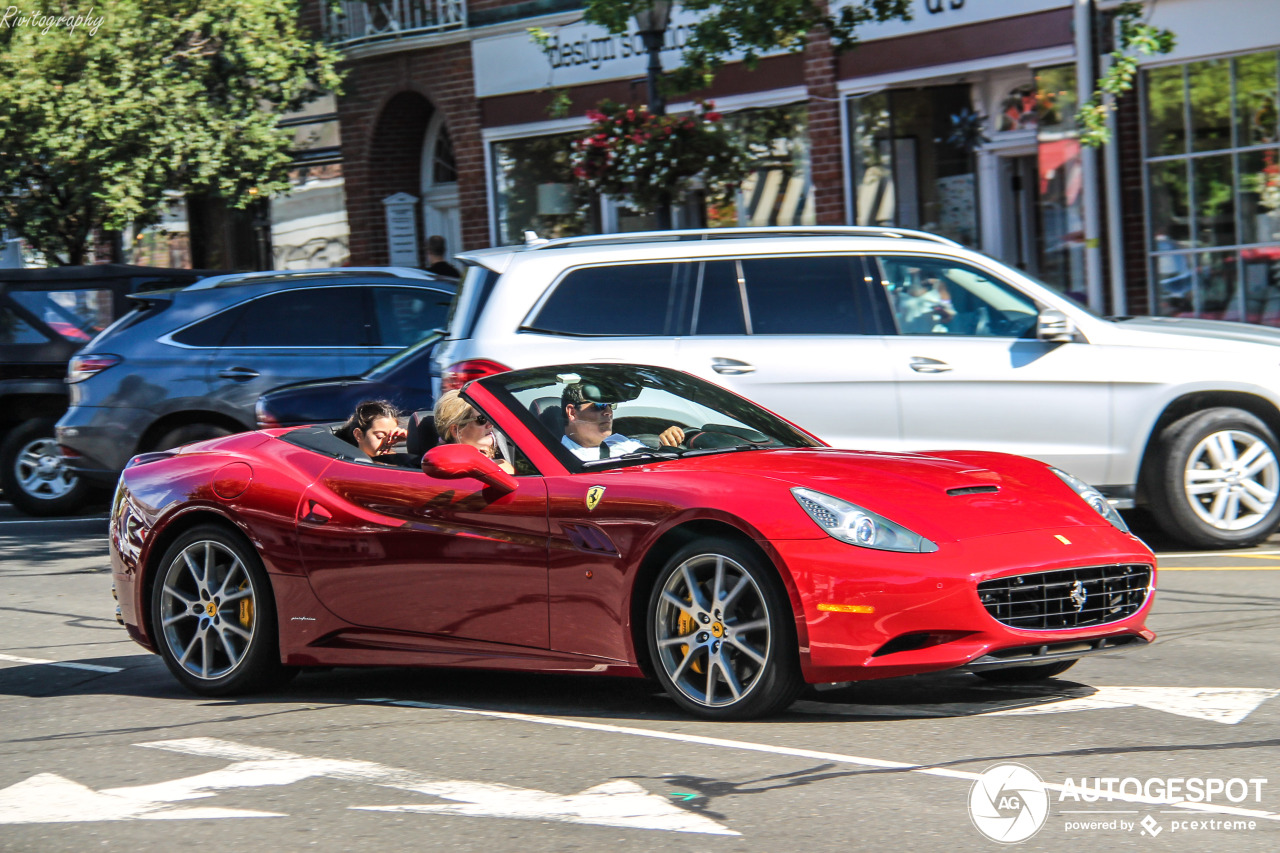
(246, 609)
(686, 626)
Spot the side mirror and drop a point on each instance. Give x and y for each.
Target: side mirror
(456, 461)
(1053, 326)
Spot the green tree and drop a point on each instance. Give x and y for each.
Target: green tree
(99, 119)
(749, 28)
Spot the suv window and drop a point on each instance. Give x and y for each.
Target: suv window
(717, 300)
(621, 300)
(76, 315)
(802, 295)
(935, 296)
(306, 317)
(206, 333)
(408, 314)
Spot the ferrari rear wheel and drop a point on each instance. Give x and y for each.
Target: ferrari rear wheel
(1023, 674)
(213, 617)
(722, 633)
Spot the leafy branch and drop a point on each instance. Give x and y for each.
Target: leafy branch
(1134, 38)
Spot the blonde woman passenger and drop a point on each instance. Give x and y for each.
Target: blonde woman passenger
(457, 422)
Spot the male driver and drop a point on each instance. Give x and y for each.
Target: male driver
(588, 432)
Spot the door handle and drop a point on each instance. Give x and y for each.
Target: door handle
(316, 514)
(920, 364)
(731, 366)
(239, 374)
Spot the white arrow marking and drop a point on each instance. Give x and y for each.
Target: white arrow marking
(48, 798)
(616, 803)
(1226, 705)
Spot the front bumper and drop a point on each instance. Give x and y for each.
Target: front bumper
(873, 614)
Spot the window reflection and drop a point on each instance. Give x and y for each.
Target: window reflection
(1209, 84)
(1213, 182)
(535, 190)
(1165, 112)
(1215, 207)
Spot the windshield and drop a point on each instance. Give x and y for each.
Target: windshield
(632, 411)
(409, 353)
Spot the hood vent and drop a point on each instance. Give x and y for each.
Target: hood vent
(972, 490)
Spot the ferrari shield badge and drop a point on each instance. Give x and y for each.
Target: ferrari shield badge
(594, 494)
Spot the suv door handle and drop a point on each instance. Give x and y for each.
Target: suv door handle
(920, 364)
(239, 374)
(731, 366)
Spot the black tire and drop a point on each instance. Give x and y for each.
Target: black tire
(188, 434)
(734, 658)
(1231, 507)
(33, 474)
(1023, 674)
(204, 572)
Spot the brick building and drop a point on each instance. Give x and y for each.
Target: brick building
(960, 121)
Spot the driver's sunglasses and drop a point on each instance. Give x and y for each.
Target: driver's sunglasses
(599, 407)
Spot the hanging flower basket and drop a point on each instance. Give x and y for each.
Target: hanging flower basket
(651, 160)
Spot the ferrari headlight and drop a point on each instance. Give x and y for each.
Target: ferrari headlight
(1093, 498)
(857, 526)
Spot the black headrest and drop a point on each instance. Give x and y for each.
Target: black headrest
(421, 433)
(550, 414)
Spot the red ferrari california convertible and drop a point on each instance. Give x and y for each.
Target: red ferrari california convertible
(733, 566)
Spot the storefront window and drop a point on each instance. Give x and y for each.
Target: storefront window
(926, 149)
(1059, 190)
(778, 189)
(535, 190)
(1213, 188)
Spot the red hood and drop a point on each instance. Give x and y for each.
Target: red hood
(912, 488)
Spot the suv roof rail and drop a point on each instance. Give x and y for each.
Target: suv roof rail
(235, 279)
(533, 242)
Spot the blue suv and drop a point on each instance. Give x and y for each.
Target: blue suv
(189, 364)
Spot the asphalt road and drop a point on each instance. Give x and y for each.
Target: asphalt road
(99, 747)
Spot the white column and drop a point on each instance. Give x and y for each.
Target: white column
(1089, 160)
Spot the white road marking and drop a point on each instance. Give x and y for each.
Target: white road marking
(48, 798)
(91, 667)
(1226, 705)
(832, 757)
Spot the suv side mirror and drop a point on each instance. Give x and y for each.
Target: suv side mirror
(1053, 326)
(456, 461)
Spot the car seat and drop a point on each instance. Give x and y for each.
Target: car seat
(421, 435)
(550, 414)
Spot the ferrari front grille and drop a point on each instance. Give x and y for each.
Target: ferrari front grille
(1067, 598)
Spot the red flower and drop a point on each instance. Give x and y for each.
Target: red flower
(713, 116)
(595, 115)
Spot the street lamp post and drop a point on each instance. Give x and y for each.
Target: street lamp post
(652, 26)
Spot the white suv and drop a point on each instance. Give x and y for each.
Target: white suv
(888, 339)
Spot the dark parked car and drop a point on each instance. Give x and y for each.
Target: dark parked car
(46, 315)
(190, 364)
(406, 379)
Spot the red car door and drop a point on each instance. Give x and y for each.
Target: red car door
(393, 549)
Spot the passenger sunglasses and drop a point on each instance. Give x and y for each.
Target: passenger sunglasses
(478, 420)
(599, 407)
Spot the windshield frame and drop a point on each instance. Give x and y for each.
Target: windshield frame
(700, 392)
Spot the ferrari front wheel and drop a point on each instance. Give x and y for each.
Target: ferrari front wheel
(722, 634)
(213, 617)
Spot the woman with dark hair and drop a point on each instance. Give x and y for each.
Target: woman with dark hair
(373, 427)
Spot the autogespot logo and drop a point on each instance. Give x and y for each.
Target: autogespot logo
(1008, 803)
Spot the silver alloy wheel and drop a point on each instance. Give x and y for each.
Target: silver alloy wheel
(712, 630)
(41, 472)
(208, 609)
(1232, 479)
